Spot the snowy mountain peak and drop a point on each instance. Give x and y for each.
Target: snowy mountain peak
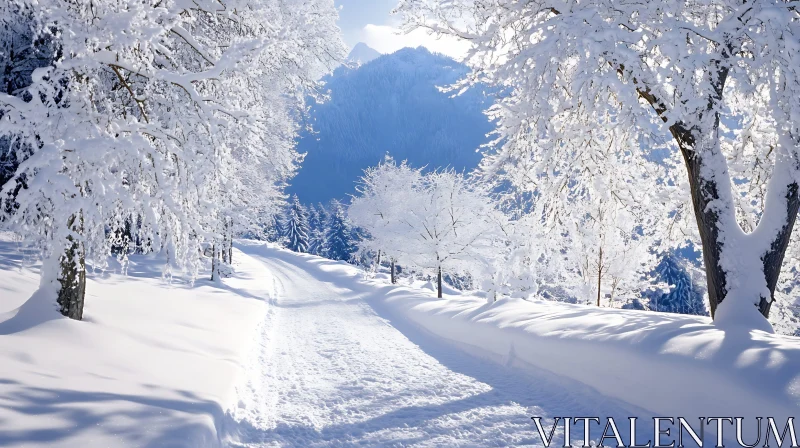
(362, 53)
(393, 105)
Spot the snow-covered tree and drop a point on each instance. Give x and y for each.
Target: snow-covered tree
(613, 259)
(683, 295)
(272, 229)
(340, 238)
(317, 220)
(295, 227)
(178, 116)
(716, 80)
(21, 52)
(590, 239)
(441, 222)
(380, 192)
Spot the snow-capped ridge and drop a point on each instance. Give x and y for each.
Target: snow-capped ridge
(392, 104)
(361, 54)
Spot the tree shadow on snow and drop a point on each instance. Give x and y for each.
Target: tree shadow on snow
(38, 309)
(155, 422)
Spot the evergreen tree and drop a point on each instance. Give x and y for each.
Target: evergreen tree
(634, 304)
(684, 297)
(316, 230)
(339, 236)
(295, 227)
(319, 232)
(274, 230)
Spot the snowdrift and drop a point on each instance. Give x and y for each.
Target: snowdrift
(665, 364)
(153, 364)
(670, 365)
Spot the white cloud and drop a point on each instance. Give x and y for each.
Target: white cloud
(388, 39)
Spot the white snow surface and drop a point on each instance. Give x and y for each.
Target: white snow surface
(356, 361)
(299, 351)
(152, 365)
(335, 369)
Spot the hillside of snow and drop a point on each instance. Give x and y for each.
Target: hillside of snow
(389, 105)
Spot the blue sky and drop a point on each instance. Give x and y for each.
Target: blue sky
(371, 22)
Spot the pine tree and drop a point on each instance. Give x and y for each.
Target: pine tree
(320, 231)
(339, 236)
(634, 304)
(316, 230)
(274, 230)
(296, 232)
(684, 297)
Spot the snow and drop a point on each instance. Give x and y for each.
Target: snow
(671, 365)
(364, 362)
(336, 370)
(153, 364)
(297, 350)
(643, 363)
(586, 125)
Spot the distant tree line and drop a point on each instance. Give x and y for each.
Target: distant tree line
(317, 229)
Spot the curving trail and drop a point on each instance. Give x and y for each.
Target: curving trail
(331, 370)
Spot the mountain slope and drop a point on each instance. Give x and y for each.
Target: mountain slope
(390, 105)
(362, 53)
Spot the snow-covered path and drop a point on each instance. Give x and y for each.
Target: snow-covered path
(331, 370)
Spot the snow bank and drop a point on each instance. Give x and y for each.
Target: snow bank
(152, 365)
(665, 364)
(670, 365)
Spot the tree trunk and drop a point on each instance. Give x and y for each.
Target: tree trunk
(230, 241)
(394, 279)
(704, 191)
(224, 248)
(378, 262)
(230, 249)
(72, 277)
(774, 258)
(439, 283)
(599, 274)
(214, 264)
